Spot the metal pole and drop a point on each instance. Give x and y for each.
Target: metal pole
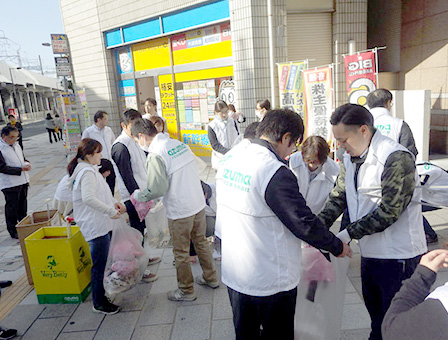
(14, 106)
(41, 69)
(271, 54)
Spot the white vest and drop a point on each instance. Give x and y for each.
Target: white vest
(315, 192)
(260, 256)
(226, 135)
(92, 223)
(185, 197)
(105, 136)
(13, 156)
(405, 238)
(385, 123)
(434, 183)
(138, 165)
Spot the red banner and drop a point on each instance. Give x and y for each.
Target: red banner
(360, 75)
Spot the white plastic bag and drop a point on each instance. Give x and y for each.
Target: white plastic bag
(157, 226)
(127, 260)
(320, 302)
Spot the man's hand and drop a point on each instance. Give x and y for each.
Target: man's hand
(346, 250)
(26, 167)
(436, 259)
(117, 216)
(120, 207)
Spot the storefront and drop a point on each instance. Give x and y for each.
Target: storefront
(184, 61)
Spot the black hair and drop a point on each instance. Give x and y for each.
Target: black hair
(106, 165)
(231, 107)
(152, 101)
(281, 121)
(264, 104)
(86, 147)
(251, 131)
(378, 98)
(8, 129)
(11, 116)
(156, 120)
(99, 115)
(352, 114)
(221, 106)
(129, 116)
(48, 116)
(143, 126)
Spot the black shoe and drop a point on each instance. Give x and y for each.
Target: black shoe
(7, 333)
(14, 236)
(5, 284)
(107, 308)
(431, 239)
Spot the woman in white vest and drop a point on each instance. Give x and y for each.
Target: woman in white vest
(94, 210)
(222, 132)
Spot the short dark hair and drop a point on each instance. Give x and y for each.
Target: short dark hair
(352, 114)
(156, 120)
(129, 116)
(264, 104)
(378, 98)
(251, 131)
(8, 129)
(99, 115)
(151, 100)
(232, 107)
(143, 126)
(315, 145)
(106, 165)
(11, 116)
(281, 121)
(221, 106)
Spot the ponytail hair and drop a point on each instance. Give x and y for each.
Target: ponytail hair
(86, 147)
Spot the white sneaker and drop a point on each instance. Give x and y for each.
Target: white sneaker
(149, 277)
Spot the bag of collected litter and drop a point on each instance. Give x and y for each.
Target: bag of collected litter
(320, 296)
(127, 260)
(157, 226)
(142, 208)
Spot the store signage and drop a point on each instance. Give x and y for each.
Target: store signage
(63, 67)
(59, 43)
(206, 36)
(291, 86)
(360, 75)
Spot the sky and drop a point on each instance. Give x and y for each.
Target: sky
(29, 23)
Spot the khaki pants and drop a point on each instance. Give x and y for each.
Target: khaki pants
(182, 231)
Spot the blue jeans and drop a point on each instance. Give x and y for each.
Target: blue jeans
(99, 249)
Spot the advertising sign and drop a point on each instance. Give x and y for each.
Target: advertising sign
(198, 142)
(319, 99)
(124, 60)
(291, 86)
(85, 107)
(63, 66)
(168, 103)
(59, 43)
(360, 75)
(71, 121)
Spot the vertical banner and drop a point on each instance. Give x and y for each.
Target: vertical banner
(319, 100)
(360, 75)
(168, 104)
(85, 107)
(71, 121)
(291, 86)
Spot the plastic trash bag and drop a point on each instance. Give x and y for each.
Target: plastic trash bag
(157, 226)
(127, 260)
(320, 296)
(142, 208)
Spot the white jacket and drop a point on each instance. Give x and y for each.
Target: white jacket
(315, 192)
(226, 134)
(386, 123)
(405, 238)
(92, 213)
(105, 136)
(184, 197)
(260, 256)
(13, 156)
(138, 164)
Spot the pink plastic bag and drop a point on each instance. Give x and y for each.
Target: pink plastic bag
(142, 208)
(315, 267)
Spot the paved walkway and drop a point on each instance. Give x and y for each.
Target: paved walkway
(146, 312)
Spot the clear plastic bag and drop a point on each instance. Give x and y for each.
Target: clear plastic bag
(157, 226)
(320, 296)
(127, 260)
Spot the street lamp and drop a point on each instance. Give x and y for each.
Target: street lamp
(14, 90)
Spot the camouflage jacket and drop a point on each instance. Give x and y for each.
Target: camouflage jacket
(397, 188)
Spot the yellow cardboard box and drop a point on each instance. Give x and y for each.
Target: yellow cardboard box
(60, 266)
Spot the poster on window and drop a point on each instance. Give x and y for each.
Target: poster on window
(360, 76)
(319, 100)
(291, 87)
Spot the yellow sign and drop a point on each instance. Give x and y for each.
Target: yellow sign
(151, 54)
(210, 73)
(168, 104)
(198, 142)
(202, 53)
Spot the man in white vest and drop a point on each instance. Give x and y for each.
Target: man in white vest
(376, 184)
(261, 218)
(172, 173)
(103, 134)
(14, 178)
(129, 163)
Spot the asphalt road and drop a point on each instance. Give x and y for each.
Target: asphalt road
(32, 129)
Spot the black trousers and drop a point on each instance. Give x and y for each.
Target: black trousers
(52, 132)
(134, 220)
(15, 207)
(381, 280)
(274, 313)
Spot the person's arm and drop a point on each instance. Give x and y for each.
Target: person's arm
(85, 134)
(122, 159)
(88, 195)
(9, 170)
(337, 202)
(407, 139)
(157, 180)
(215, 144)
(283, 197)
(397, 188)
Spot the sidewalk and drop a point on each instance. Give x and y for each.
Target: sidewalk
(146, 312)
